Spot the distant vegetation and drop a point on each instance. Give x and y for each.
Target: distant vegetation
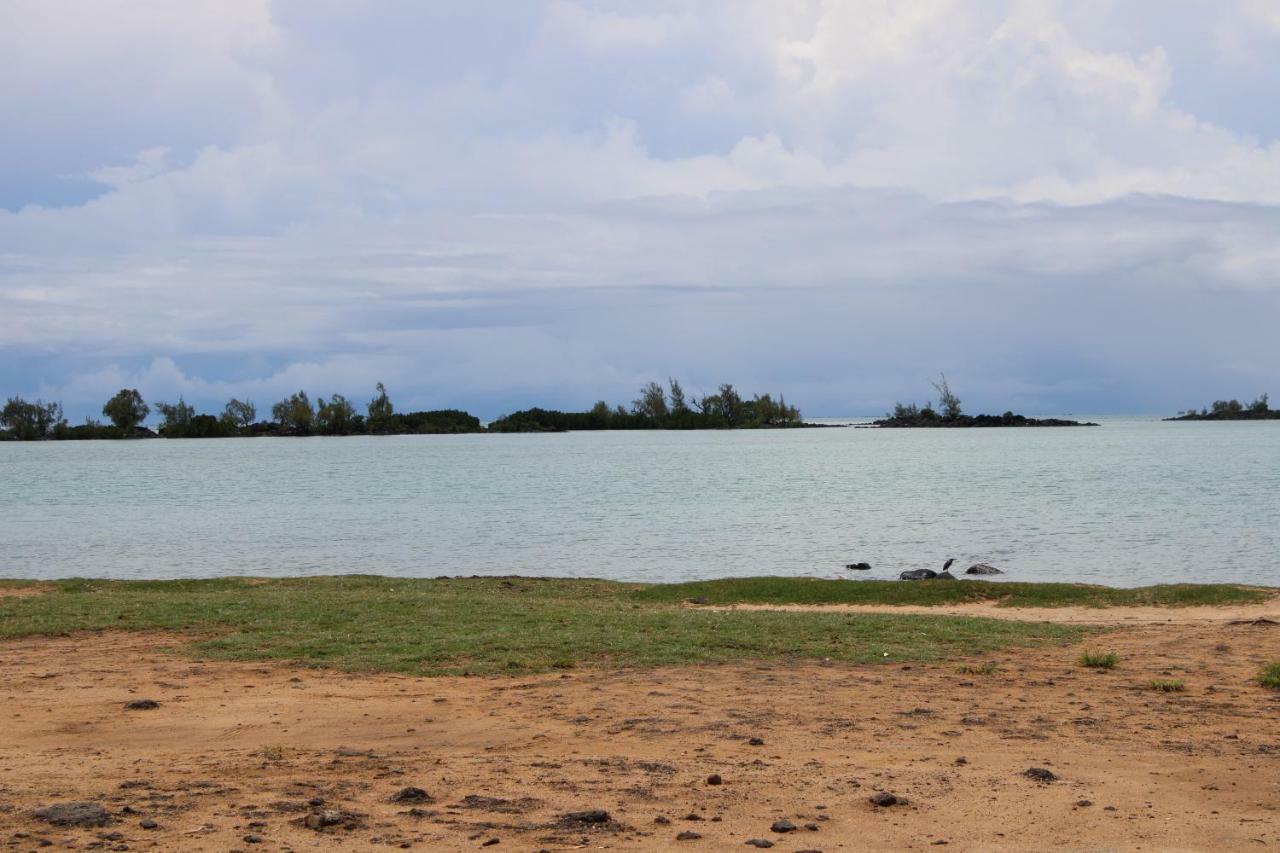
(294, 415)
(1232, 410)
(655, 409)
(297, 415)
(949, 414)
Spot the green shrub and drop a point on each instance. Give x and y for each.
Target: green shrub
(1099, 660)
(1167, 685)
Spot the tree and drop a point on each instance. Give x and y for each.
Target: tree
(176, 418)
(31, 421)
(294, 413)
(652, 403)
(950, 402)
(380, 411)
(678, 404)
(336, 417)
(126, 410)
(1260, 406)
(238, 414)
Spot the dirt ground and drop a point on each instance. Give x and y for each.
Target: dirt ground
(244, 756)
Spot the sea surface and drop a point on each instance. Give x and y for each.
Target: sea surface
(1133, 501)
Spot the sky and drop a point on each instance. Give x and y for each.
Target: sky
(489, 204)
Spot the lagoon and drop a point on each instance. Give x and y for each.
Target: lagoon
(1134, 501)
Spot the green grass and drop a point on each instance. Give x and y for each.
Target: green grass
(1270, 676)
(776, 590)
(492, 625)
(1167, 685)
(1099, 660)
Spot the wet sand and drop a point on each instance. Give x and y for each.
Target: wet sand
(243, 756)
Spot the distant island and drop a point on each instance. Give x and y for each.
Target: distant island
(911, 416)
(654, 409)
(1232, 410)
(296, 415)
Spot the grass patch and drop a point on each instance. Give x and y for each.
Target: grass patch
(988, 668)
(1099, 660)
(1269, 676)
(777, 590)
(490, 625)
(1166, 685)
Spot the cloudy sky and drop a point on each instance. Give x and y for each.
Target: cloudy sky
(1067, 206)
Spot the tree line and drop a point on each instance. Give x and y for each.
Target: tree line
(1232, 410)
(296, 415)
(950, 414)
(662, 408)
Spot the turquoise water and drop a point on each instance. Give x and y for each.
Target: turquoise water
(1133, 501)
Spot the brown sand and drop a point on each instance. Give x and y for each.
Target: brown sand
(1063, 615)
(238, 750)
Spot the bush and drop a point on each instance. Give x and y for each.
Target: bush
(1270, 675)
(1167, 685)
(1099, 660)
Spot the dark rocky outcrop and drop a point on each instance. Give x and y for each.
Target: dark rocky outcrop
(74, 814)
(918, 575)
(982, 569)
(858, 567)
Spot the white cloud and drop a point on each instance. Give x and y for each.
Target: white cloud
(340, 187)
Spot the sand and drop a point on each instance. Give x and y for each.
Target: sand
(236, 756)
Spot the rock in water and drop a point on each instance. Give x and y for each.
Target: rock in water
(982, 569)
(858, 567)
(918, 575)
(945, 576)
(74, 814)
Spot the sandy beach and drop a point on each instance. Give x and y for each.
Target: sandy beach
(274, 757)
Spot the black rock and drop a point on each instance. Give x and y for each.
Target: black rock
(762, 843)
(687, 836)
(74, 814)
(1084, 804)
(982, 569)
(945, 576)
(491, 842)
(252, 839)
(590, 816)
(714, 779)
(411, 795)
(1040, 774)
(858, 567)
(783, 825)
(149, 824)
(663, 819)
(141, 705)
(700, 599)
(884, 799)
(918, 575)
(319, 820)
(812, 827)
(755, 741)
